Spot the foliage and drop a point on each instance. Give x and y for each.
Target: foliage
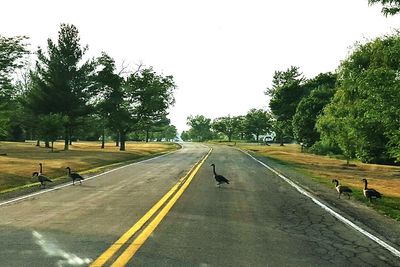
(363, 116)
(258, 122)
(152, 95)
(200, 128)
(62, 80)
(12, 52)
(322, 89)
(227, 125)
(286, 92)
(51, 127)
(390, 7)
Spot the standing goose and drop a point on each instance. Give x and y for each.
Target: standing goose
(369, 192)
(74, 176)
(219, 178)
(41, 178)
(342, 189)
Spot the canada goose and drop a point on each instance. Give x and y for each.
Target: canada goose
(342, 189)
(369, 192)
(42, 179)
(74, 176)
(219, 178)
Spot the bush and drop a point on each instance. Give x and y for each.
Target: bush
(324, 148)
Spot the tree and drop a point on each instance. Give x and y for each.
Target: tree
(200, 128)
(258, 122)
(12, 52)
(390, 7)
(51, 127)
(322, 89)
(62, 81)
(167, 133)
(153, 94)
(286, 92)
(227, 125)
(109, 96)
(367, 100)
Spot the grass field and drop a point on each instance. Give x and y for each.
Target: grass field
(19, 160)
(322, 169)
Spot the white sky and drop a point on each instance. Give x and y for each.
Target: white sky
(222, 53)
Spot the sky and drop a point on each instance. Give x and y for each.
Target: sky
(222, 53)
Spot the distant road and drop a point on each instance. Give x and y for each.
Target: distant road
(256, 220)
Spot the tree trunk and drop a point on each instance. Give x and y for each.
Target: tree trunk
(47, 144)
(52, 146)
(118, 138)
(66, 139)
(147, 135)
(122, 142)
(257, 137)
(38, 142)
(103, 138)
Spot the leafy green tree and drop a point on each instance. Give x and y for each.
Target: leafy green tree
(367, 100)
(62, 80)
(390, 7)
(185, 136)
(200, 128)
(322, 89)
(12, 55)
(227, 125)
(286, 92)
(168, 133)
(109, 96)
(12, 52)
(258, 122)
(153, 94)
(51, 127)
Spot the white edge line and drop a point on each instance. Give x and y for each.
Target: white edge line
(393, 250)
(86, 179)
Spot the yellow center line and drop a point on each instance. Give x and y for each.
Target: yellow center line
(106, 255)
(130, 251)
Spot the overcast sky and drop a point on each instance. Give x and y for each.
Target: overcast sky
(222, 53)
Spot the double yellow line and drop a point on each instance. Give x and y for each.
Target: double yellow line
(176, 191)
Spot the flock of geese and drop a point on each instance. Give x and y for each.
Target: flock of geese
(43, 179)
(369, 193)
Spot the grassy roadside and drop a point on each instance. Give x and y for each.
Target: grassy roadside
(322, 169)
(19, 159)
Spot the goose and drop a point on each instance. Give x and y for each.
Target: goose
(369, 192)
(74, 176)
(342, 189)
(42, 179)
(219, 178)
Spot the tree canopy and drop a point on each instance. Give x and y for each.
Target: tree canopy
(390, 7)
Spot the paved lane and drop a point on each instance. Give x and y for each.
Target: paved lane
(257, 220)
(73, 225)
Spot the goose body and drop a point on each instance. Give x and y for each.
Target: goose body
(370, 193)
(74, 176)
(219, 178)
(42, 178)
(341, 189)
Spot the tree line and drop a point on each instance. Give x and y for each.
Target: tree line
(354, 111)
(65, 95)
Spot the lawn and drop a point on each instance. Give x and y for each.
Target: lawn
(19, 159)
(322, 169)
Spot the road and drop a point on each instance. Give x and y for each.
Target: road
(256, 220)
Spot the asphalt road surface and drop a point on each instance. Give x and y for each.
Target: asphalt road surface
(256, 220)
